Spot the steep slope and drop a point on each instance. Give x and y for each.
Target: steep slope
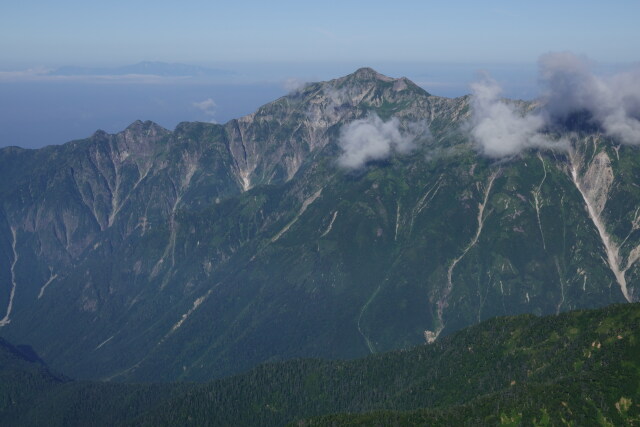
(400, 251)
(587, 362)
(581, 367)
(201, 252)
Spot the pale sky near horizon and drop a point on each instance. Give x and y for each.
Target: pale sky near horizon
(440, 45)
(117, 32)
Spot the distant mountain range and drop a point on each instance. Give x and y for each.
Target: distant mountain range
(350, 217)
(152, 68)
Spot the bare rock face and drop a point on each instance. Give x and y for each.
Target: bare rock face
(202, 251)
(270, 145)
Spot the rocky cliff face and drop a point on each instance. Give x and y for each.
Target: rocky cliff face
(272, 144)
(202, 251)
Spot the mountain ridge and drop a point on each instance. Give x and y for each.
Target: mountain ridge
(203, 251)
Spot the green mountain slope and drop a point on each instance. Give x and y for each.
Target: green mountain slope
(30, 394)
(582, 367)
(201, 252)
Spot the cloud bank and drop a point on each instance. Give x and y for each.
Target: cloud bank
(371, 138)
(142, 72)
(569, 87)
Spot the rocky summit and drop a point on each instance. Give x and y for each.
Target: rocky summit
(350, 217)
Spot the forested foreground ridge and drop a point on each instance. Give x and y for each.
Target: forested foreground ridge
(353, 216)
(577, 368)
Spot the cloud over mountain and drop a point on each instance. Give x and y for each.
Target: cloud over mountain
(371, 138)
(613, 101)
(207, 107)
(569, 86)
(498, 128)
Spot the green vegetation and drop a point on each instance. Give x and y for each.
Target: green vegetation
(507, 371)
(199, 253)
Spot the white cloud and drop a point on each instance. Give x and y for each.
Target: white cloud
(293, 84)
(208, 108)
(498, 127)
(370, 138)
(569, 86)
(613, 101)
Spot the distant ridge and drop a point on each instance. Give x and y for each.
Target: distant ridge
(152, 68)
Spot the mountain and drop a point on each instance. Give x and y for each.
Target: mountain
(580, 367)
(201, 252)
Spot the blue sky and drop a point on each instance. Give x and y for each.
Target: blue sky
(87, 32)
(440, 45)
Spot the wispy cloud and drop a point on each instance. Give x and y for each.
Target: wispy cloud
(208, 108)
(293, 84)
(21, 75)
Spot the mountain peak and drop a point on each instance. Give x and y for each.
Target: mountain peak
(370, 73)
(370, 76)
(137, 126)
(147, 125)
